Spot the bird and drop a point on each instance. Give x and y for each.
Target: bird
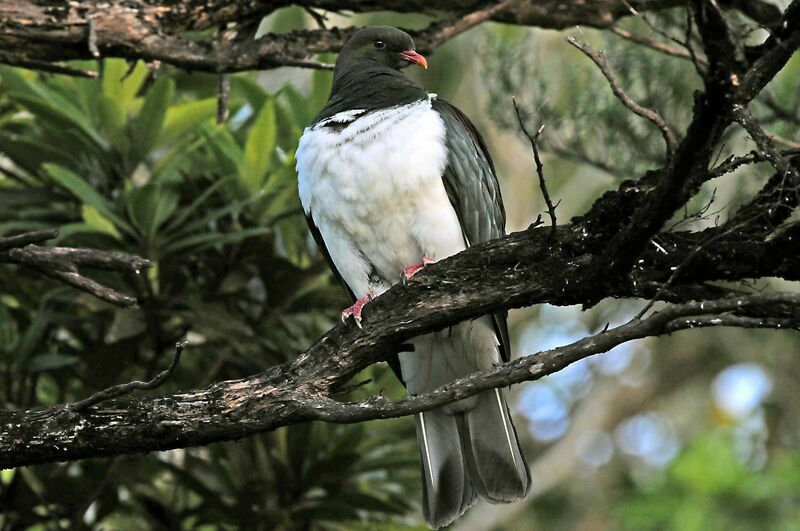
(392, 178)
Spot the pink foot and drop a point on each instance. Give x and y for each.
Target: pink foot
(413, 269)
(355, 310)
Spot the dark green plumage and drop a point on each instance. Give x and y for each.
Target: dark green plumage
(367, 77)
(474, 192)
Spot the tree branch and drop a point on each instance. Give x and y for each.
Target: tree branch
(35, 33)
(649, 114)
(296, 392)
(120, 389)
(62, 263)
(657, 46)
(551, 208)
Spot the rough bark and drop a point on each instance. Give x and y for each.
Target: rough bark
(524, 268)
(35, 32)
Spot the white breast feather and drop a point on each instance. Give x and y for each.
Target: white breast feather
(375, 191)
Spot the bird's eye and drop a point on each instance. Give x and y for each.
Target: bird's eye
(379, 44)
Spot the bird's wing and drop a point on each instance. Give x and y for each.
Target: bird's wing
(324, 250)
(474, 192)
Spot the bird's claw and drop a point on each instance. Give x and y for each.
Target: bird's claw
(413, 269)
(355, 310)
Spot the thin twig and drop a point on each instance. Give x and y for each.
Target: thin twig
(687, 43)
(533, 139)
(762, 139)
(600, 60)
(657, 46)
(676, 271)
(20, 61)
(783, 140)
(319, 18)
(693, 54)
(444, 30)
(305, 63)
(122, 389)
(223, 96)
(733, 163)
(91, 40)
(27, 238)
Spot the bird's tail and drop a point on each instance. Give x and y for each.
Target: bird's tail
(466, 453)
(446, 489)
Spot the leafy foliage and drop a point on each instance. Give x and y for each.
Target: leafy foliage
(136, 163)
(709, 487)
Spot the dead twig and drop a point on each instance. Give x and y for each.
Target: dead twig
(21, 61)
(657, 46)
(27, 238)
(122, 389)
(649, 114)
(533, 139)
(63, 263)
(762, 139)
(319, 18)
(91, 39)
(444, 30)
(223, 95)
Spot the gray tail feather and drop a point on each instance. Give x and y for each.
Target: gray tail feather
(495, 464)
(447, 492)
(469, 453)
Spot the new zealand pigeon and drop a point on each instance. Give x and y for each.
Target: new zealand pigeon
(391, 178)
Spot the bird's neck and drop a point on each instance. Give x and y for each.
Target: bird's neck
(371, 89)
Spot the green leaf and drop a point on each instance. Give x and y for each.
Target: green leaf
(203, 223)
(146, 128)
(112, 119)
(96, 221)
(28, 153)
(32, 336)
(259, 147)
(121, 84)
(709, 466)
(225, 149)
(149, 206)
(59, 116)
(84, 191)
(252, 91)
(298, 105)
(184, 117)
(51, 361)
(185, 213)
(202, 241)
(23, 88)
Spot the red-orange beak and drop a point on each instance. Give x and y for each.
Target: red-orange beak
(413, 57)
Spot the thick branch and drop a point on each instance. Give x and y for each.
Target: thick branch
(524, 268)
(36, 32)
(729, 83)
(536, 366)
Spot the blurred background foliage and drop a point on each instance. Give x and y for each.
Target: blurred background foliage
(692, 432)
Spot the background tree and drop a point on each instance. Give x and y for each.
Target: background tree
(675, 163)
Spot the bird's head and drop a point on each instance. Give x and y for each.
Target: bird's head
(380, 46)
